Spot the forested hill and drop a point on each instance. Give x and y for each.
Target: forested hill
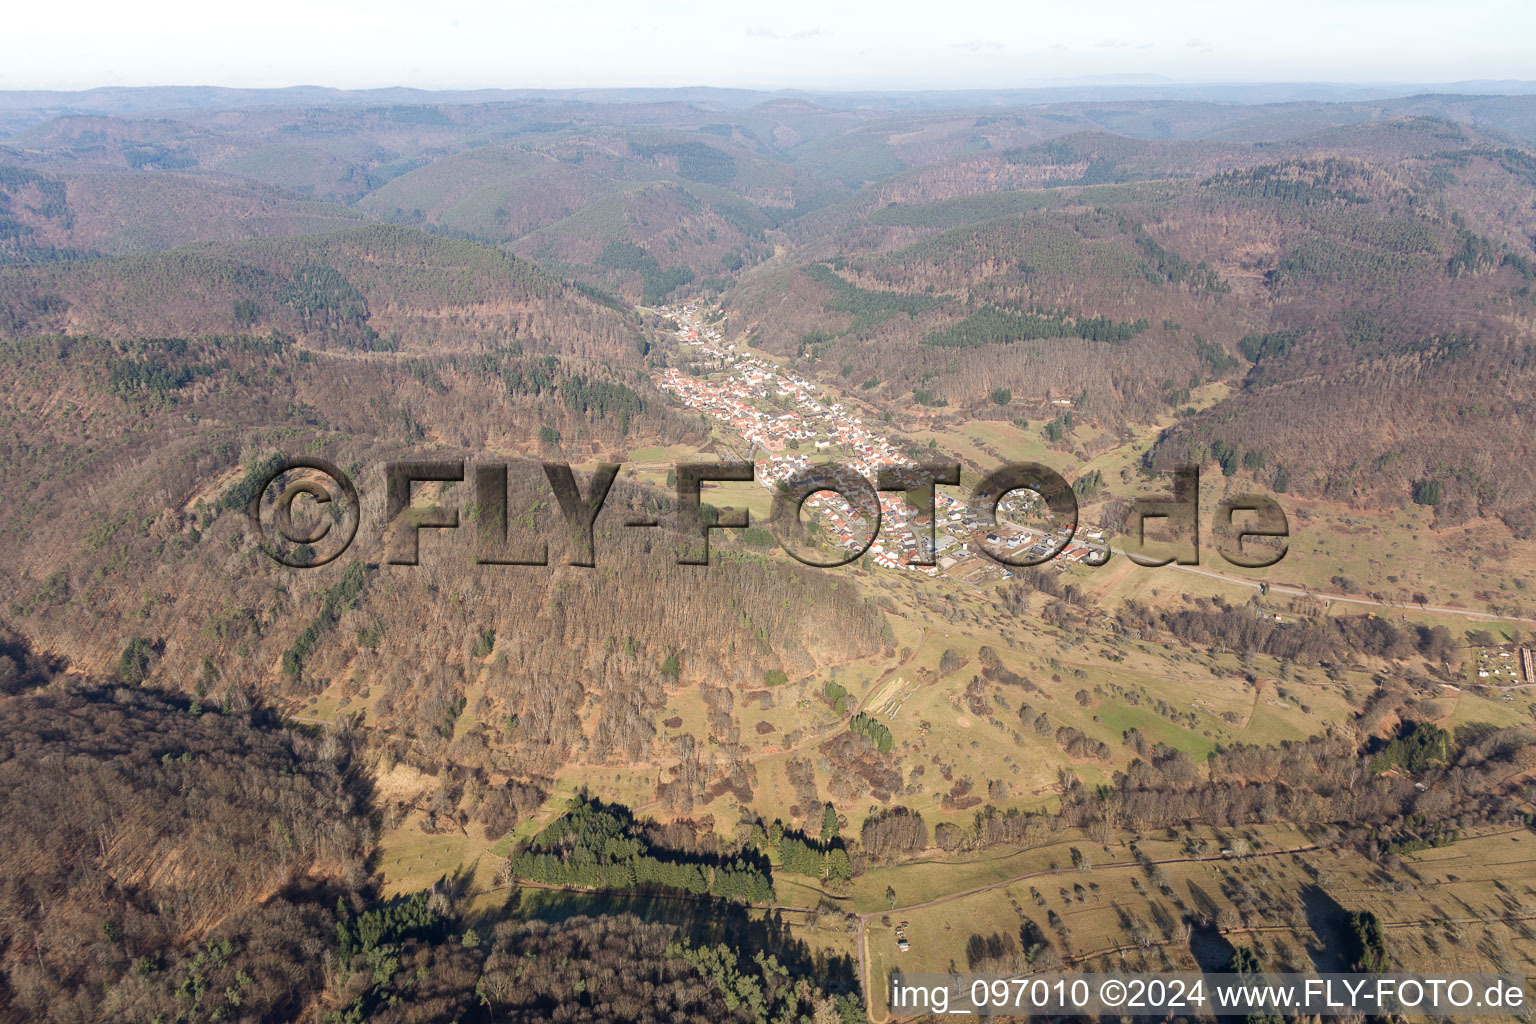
(167, 859)
(130, 551)
(140, 824)
(146, 395)
(1366, 295)
(376, 288)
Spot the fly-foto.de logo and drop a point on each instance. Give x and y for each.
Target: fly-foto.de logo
(308, 512)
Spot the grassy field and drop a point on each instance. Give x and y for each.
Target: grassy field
(412, 859)
(1462, 908)
(1394, 554)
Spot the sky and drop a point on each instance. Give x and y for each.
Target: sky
(896, 44)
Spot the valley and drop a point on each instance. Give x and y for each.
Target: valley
(472, 788)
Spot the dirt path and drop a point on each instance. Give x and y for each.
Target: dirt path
(1316, 595)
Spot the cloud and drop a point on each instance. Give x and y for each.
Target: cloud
(768, 33)
(977, 45)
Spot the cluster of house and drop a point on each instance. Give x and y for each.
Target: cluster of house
(784, 414)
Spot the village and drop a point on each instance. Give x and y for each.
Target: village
(799, 427)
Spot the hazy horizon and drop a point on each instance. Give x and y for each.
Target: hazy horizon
(1126, 80)
(799, 45)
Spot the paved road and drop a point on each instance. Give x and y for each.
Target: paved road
(1296, 592)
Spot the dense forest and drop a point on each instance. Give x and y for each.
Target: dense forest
(176, 431)
(156, 844)
(169, 860)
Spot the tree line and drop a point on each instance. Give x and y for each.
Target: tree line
(600, 846)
